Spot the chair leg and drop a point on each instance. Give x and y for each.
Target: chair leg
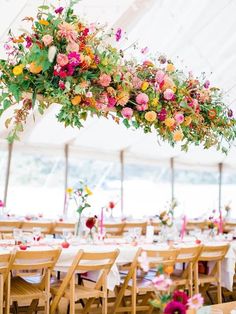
(47, 306)
(104, 305)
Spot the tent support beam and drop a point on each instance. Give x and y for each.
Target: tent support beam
(172, 169)
(9, 157)
(220, 167)
(122, 182)
(66, 155)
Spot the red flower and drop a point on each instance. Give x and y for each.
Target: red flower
(90, 222)
(111, 205)
(180, 296)
(174, 307)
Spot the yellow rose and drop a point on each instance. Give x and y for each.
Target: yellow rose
(43, 22)
(150, 116)
(87, 190)
(155, 102)
(170, 67)
(18, 69)
(144, 86)
(178, 136)
(187, 121)
(169, 122)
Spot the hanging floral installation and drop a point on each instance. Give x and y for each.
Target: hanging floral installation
(66, 61)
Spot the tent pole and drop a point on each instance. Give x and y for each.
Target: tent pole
(122, 182)
(172, 169)
(66, 155)
(7, 172)
(220, 167)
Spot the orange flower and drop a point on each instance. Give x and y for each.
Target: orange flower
(187, 121)
(168, 269)
(122, 98)
(178, 135)
(18, 40)
(212, 113)
(43, 22)
(76, 100)
(34, 68)
(150, 116)
(169, 122)
(170, 67)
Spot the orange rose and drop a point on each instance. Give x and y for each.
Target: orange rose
(76, 100)
(169, 122)
(150, 116)
(34, 68)
(178, 136)
(122, 98)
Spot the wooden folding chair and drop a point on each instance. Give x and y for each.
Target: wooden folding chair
(214, 254)
(7, 226)
(157, 226)
(131, 269)
(21, 289)
(101, 262)
(192, 225)
(114, 229)
(229, 226)
(59, 227)
(6, 260)
(46, 227)
(187, 257)
(136, 225)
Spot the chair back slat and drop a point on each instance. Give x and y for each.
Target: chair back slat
(7, 226)
(136, 225)
(213, 253)
(46, 227)
(161, 257)
(114, 229)
(58, 227)
(188, 254)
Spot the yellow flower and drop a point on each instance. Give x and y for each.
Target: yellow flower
(69, 190)
(145, 86)
(43, 22)
(170, 67)
(178, 136)
(104, 61)
(155, 102)
(187, 121)
(150, 116)
(169, 122)
(87, 190)
(76, 100)
(18, 69)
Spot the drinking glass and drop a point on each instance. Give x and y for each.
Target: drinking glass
(17, 235)
(36, 234)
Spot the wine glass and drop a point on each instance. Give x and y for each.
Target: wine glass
(36, 234)
(17, 235)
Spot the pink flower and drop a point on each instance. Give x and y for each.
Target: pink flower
(162, 114)
(59, 10)
(160, 75)
(47, 40)
(142, 99)
(162, 283)
(118, 34)
(127, 112)
(67, 31)
(72, 46)
(179, 118)
(74, 58)
(206, 84)
(28, 40)
(92, 27)
(137, 82)
(174, 307)
(1, 203)
(62, 59)
(180, 296)
(142, 107)
(168, 94)
(195, 302)
(104, 80)
(111, 102)
(62, 85)
(89, 94)
(143, 261)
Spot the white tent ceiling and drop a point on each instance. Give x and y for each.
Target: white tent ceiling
(199, 35)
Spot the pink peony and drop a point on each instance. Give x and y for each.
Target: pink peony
(161, 283)
(142, 107)
(137, 83)
(168, 94)
(104, 80)
(142, 99)
(62, 59)
(47, 40)
(174, 307)
(72, 46)
(111, 102)
(67, 31)
(127, 112)
(179, 118)
(160, 75)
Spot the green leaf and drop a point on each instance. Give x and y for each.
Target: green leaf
(15, 90)
(44, 7)
(6, 104)
(34, 98)
(126, 123)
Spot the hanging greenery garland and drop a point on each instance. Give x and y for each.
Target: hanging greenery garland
(63, 60)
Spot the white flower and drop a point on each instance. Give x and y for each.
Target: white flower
(52, 53)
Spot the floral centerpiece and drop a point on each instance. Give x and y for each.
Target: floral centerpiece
(64, 60)
(168, 300)
(80, 196)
